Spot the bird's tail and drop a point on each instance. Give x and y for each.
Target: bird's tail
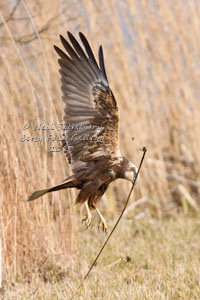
(65, 184)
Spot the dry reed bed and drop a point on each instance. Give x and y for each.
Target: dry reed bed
(152, 59)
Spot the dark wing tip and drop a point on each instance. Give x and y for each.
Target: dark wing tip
(81, 34)
(76, 46)
(101, 62)
(88, 48)
(69, 34)
(60, 52)
(68, 48)
(62, 38)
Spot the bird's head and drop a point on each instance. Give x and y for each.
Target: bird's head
(130, 170)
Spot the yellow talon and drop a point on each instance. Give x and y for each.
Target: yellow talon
(103, 225)
(87, 220)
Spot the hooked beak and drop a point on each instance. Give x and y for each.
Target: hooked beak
(133, 180)
(134, 177)
(131, 174)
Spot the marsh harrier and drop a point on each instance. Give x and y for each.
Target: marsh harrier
(91, 121)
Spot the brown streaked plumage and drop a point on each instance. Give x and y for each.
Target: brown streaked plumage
(89, 102)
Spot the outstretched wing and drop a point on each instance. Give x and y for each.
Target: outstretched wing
(91, 114)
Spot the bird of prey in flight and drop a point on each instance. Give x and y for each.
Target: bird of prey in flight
(91, 118)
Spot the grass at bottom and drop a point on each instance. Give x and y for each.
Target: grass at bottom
(145, 259)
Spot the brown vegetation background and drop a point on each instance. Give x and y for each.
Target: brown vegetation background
(152, 58)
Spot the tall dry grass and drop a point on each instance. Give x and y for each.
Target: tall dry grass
(152, 59)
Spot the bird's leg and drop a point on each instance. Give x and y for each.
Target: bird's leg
(87, 220)
(103, 223)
